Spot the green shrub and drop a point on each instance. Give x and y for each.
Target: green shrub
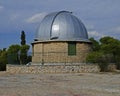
(93, 57)
(2, 67)
(99, 58)
(103, 63)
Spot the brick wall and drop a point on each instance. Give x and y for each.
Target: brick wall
(58, 52)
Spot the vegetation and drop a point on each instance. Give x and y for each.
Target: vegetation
(15, 54)
(23, 41)
(23, 54)
(106, 51)
(3, 59)
(24, 49)
(96, 45)
(111, 46)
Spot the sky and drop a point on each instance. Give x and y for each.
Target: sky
(101, 17)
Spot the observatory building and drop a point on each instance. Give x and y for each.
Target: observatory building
(61, 38)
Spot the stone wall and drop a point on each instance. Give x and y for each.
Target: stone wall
(56, 52)
(52, 68)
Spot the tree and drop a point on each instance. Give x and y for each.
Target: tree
(110, 45)
(24, 49)
(23, 41)
(13, 56)
(13, 48)
(3, 59)
(95, 44)
(93, 56)
(98, 57)
(23, 54)
(105, 52)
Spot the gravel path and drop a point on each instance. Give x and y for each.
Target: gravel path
(80, 84)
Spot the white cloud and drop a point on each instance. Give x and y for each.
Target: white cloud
(95, 34)
(36, 18)
(92, 32)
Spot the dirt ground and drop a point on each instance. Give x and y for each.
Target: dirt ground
(77, 84)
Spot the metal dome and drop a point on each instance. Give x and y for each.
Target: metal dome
(61, 26)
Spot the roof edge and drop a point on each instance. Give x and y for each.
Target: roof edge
(87, 41)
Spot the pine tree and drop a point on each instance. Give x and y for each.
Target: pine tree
(23, 41)
(24, 49)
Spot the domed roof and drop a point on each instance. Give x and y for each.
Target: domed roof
(61, 26)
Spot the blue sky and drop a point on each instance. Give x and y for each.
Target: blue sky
(101, 17)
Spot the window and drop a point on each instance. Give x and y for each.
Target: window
(71, 48)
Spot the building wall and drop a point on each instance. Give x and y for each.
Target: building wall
(57, 52)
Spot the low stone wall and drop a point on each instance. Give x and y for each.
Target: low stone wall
(52, 68)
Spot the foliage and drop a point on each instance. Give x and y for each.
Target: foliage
(118, 62)
(23, 41)
(103, 62)
(93, 56)
(29, 58)
(3, 59)
(24, 49)
(13, 54)
(105, 52)
(95, 44)
(14, 48)
(109, 45)
(99, 58)
(23, 54)
(18, 54)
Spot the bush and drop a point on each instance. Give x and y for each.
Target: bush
(101, 59)
(3, 60)
(118, 62)
(103, 63)
(2, 67)
(93, 57)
